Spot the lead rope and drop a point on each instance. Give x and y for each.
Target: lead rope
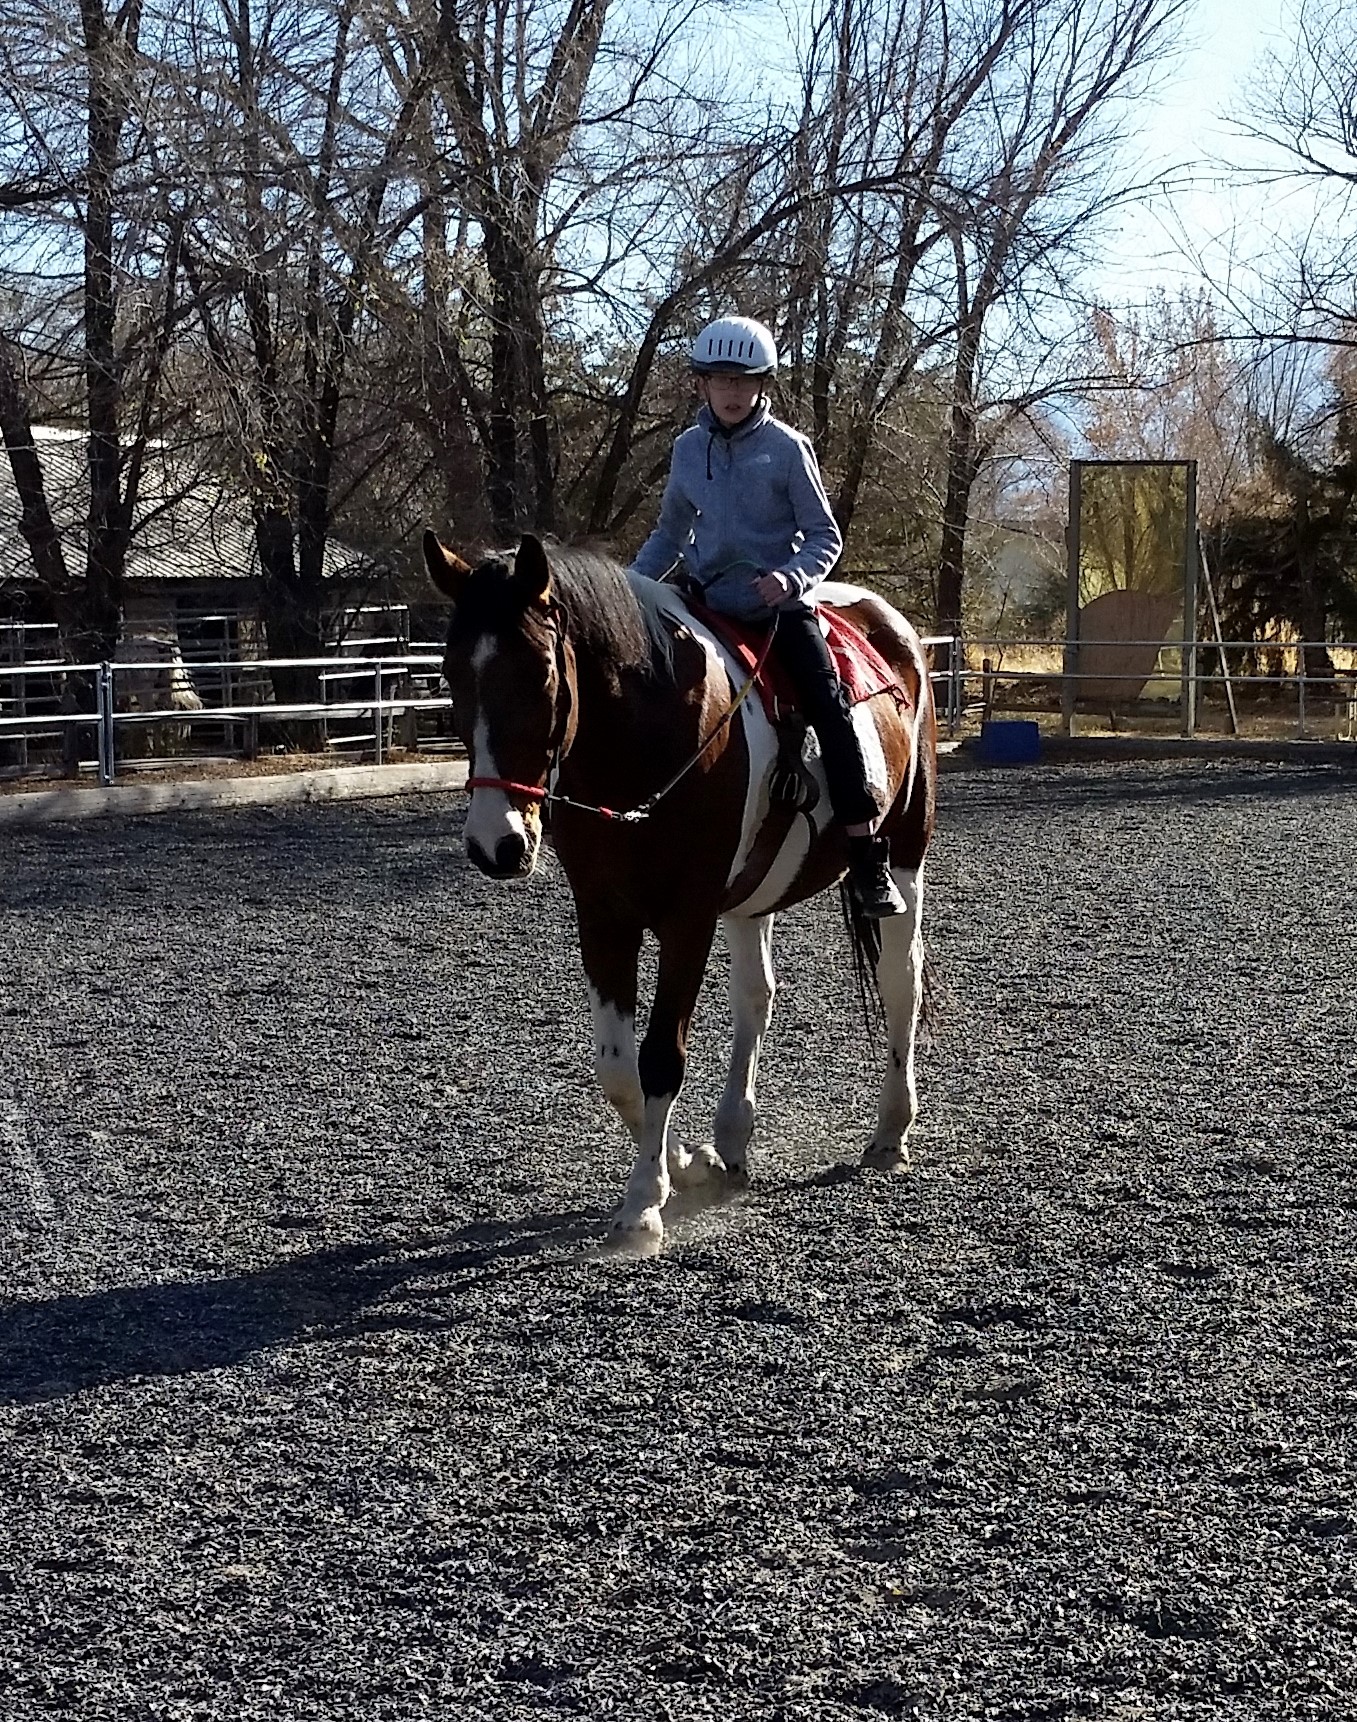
(634, 815)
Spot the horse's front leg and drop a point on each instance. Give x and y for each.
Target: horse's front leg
(752, 989)
(685, 945)
(610, 952)
(900, 974)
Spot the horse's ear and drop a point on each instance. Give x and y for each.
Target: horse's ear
(532, 571)
(447, 571)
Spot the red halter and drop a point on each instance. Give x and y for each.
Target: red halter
(504, 783)
(532, 793)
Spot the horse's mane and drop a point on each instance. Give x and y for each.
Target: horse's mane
(618, 621)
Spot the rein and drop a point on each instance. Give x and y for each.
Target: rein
(632, 816)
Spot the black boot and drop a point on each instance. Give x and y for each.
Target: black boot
(869, 874)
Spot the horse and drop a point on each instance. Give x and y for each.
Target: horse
(602, 699)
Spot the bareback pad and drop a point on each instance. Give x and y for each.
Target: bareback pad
(863, 672)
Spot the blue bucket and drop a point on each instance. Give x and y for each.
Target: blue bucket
(1010, 742)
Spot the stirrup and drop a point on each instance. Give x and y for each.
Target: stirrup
(791, 785)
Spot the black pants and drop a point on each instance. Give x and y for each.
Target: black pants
(803, 652)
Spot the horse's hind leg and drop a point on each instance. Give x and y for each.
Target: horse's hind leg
(752, 988)
(900, 973)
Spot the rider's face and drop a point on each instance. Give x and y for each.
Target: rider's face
(731, 398)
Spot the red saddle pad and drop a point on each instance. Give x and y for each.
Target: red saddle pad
(862, 669)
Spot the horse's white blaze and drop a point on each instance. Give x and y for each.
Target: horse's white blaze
(900, 977)
(752, 989)
(490, 817)
(615, 1061)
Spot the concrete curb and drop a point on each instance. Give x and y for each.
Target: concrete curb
(345, 783)
(355, 782)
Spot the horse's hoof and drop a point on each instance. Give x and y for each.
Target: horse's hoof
(696, 1165)
(737, 1177)
(886, 1158)
(641, 1234)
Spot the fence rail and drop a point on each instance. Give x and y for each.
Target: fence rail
(376, 691)
(1202, 669)
(385, 697)
(380, 707)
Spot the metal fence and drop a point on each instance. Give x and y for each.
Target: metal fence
(388, 689)
(1185, 679)
(364, 701)
(377, 698)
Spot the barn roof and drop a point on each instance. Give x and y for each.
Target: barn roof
(189, 527)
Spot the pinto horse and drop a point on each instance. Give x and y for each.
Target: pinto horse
(603, 699)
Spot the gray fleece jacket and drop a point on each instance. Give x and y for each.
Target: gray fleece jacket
(739, 504)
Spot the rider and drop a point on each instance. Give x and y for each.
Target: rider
(745, 512)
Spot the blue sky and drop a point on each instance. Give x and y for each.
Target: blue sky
(1183, 132)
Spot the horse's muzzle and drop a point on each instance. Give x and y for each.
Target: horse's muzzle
(514, 858)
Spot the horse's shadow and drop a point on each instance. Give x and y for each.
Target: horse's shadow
(51, 1348)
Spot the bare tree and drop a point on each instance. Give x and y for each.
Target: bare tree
(569, 125)
(101, 324)
(1055, 104)
(1302, 108)
(296, 146)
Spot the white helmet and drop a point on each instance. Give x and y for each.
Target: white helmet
(737, 346)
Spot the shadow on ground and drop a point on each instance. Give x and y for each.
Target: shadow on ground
(59, 1346)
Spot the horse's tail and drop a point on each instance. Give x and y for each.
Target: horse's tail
(864, 940)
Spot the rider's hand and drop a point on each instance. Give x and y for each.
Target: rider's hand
(774, 589)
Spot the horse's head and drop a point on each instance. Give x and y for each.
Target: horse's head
(508, 667)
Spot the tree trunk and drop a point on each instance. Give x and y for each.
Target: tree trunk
(293, 625)
(520, 469)
(962, 466)
(101, 605)
(35, 517)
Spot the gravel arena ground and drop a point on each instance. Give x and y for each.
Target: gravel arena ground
(320, 1396)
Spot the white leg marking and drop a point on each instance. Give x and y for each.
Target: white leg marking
(900, 974)
(693, 1164)
(648, 1186)
(752, 989)
(615, 1061)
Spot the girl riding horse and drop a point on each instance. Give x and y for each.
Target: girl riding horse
(746, 515)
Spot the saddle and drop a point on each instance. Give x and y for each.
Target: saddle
(862, 670)
(792, 789)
